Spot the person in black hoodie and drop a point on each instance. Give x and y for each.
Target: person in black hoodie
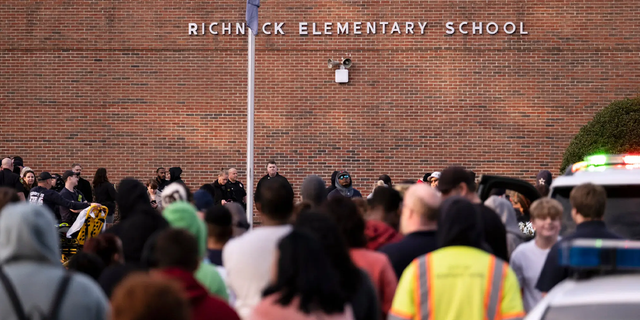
(174, 175)
(333, 182)
(138, 222)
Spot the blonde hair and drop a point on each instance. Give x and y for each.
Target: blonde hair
(546, 207)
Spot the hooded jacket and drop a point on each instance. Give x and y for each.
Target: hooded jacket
(30, 257)
(313, 190)
(507, 214)
(460, 224)
(379, 233)
(203, 306)
(348, 191)
(175, 173)
(332, 186)
(138, 220)
(183, 215)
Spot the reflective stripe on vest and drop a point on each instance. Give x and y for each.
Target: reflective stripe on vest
(493, 294)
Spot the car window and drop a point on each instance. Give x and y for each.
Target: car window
(622, 213)
(594, 312)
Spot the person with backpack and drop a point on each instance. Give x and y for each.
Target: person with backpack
(33, 284)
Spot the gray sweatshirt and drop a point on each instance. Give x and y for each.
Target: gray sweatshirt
(30, 257)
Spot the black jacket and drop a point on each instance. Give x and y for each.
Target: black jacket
(262, 180)
(161, 184)
(11, 180)
(65, 214)
(222, 192)
(237, 191)
(106, 195)
(50, 198)
(552, 272)
(218, 192)
(138, 220)
(85, 187)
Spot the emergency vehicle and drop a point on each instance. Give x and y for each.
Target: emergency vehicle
(605, 283)
(618, 174)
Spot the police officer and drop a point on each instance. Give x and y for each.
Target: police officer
(236, 188)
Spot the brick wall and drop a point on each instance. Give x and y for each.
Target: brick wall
(121, 85)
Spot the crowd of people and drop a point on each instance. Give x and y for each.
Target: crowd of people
(425, 249)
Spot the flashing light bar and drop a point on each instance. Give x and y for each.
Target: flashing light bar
(602, 254)
(629, 161)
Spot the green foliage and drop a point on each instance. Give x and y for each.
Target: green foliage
(615, 129)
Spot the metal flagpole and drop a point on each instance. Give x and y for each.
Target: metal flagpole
(250, 87)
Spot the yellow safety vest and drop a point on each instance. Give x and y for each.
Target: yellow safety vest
(456, 283)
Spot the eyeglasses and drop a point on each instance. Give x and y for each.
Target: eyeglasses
(343, 177)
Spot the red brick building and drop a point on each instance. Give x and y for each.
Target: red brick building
(123, 84)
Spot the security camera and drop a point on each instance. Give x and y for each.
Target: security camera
(346, 63)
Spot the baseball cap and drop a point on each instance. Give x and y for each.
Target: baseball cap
(343, 173)
(203, 200)
(44, 176)
(435, 175)
(544, 177)
(453, 176)
(67, 174)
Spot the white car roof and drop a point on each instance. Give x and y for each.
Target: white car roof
(600, 290)
(609, 176)
(614, 289)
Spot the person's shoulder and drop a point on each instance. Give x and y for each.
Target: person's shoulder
(237, 243)
(85, 287)
(522, 250)
(391, 248)
(220, 308)
(489, 214)
(333, 193)
(268, 308)
(484, 209)
(374, 257)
